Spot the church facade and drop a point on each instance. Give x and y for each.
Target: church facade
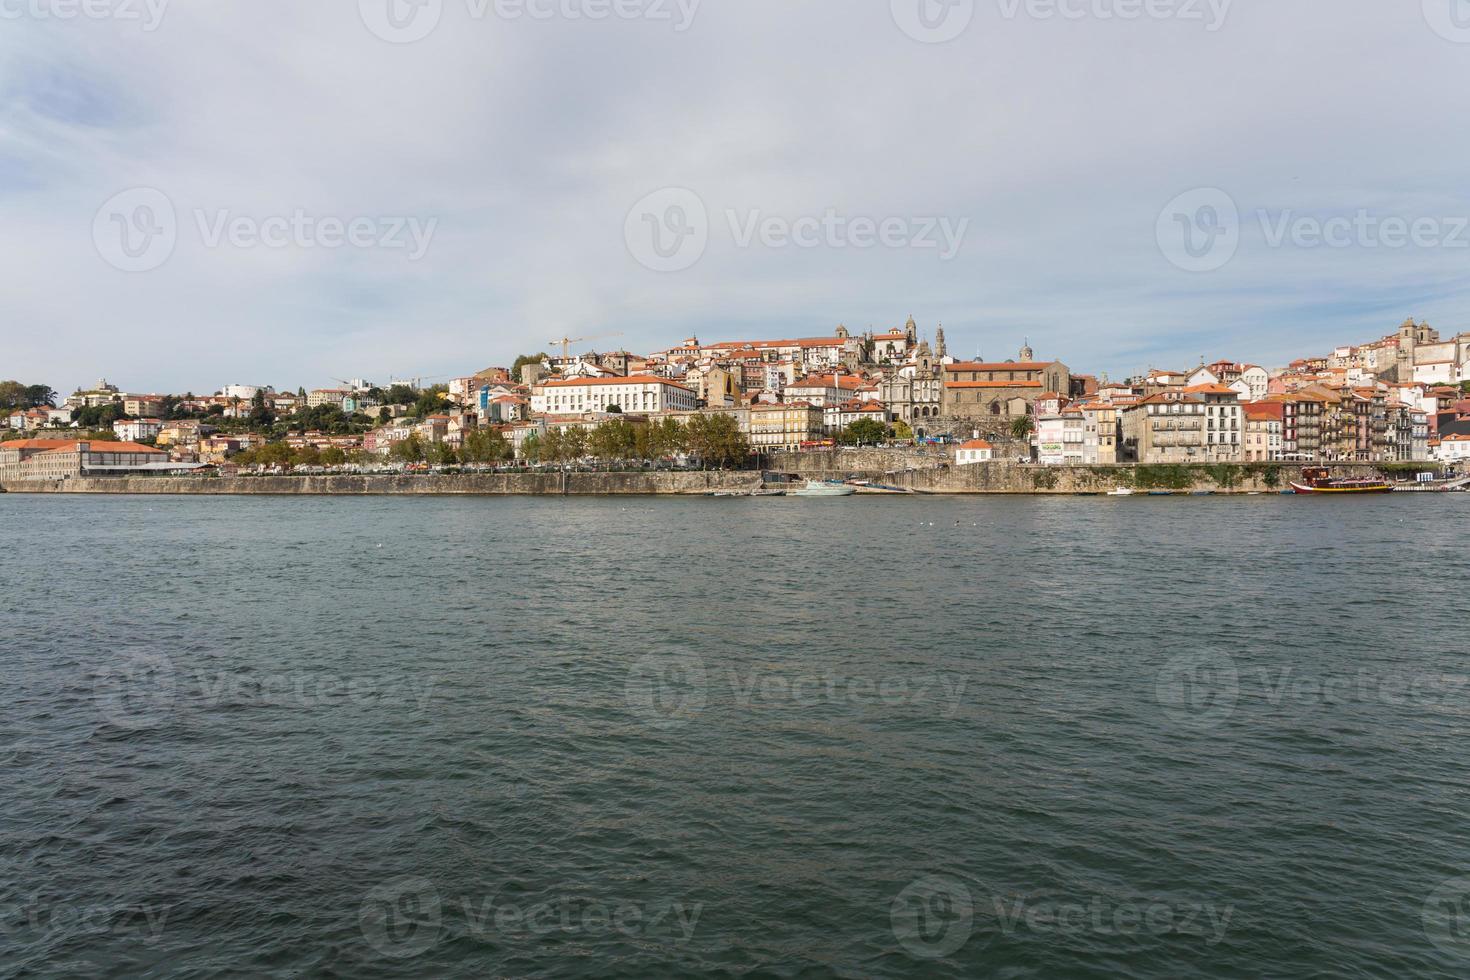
(998, 390)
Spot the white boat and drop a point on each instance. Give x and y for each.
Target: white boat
(1121, 492)
(825, 488)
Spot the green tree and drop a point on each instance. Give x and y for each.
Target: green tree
(717, 439)
(613, 440)
(669, 437)
(333, 457)
(864, 431)
(522, 361)
(430, 401)
(574, 443)
(40, 396)
(273, 454)
(259, 413)
(1022, 426)
(901, 430)
(410, 450)
(401, 394)
(552, 447)
(485, 446)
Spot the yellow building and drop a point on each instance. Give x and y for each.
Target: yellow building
(785, 425)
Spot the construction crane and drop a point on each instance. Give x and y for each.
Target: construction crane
(567, 342)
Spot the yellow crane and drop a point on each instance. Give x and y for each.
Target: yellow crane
(567, 342)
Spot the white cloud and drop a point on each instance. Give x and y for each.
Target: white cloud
(529, 140)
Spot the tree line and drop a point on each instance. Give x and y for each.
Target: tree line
(713, 439)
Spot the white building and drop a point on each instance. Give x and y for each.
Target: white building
(243, 392)
(136, 430)
(974, 451)
(640, 393)
(1453, 448)
(1061, 437)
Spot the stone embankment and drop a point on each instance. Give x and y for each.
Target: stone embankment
(917, 470)
(932, 472)
(553, 484)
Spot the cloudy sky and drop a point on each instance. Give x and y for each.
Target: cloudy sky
(280, 192)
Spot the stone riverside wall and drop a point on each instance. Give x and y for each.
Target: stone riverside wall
(933, 474)
(927, 475)
(487, 483)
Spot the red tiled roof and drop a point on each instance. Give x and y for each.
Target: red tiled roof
(992, 384)
(637, 379)
(1002, 366)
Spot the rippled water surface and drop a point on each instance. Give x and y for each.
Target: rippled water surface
(884, 737)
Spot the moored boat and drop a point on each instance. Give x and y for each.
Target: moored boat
(1318, 479)
(1121, 492)
(825, 488)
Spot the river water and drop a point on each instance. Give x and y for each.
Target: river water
(873, 737)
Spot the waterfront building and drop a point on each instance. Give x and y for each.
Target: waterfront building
(785, 425)
(1100, 435)
(1301, 424)
(1453, 448)
(1060, 437)
(638, 393)
(1198, 424)
(1262, 440)
(973, 451)
(61, 459)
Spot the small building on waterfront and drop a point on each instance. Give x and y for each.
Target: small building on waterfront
(974, 451)
(62, 459)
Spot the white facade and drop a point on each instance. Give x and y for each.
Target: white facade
(243, 392)
(137, 429)
(1060, 439)
(642, 393)
(1453, 449)
(974, 451)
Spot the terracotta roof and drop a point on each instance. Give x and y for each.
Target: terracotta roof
(1002, 366)
(976, 444)
(637, 379)
(850, 381)
(992, 384)
(36, 443)
(1265, 411)
(70, 446)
